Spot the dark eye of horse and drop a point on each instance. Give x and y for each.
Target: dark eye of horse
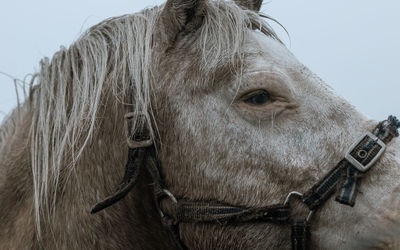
(258, 98)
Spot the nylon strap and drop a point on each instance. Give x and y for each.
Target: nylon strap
(385, 131)
(193, 212)
(173, 232)
(348, 192)
(300, 235)
(364, 153)
(320, 192)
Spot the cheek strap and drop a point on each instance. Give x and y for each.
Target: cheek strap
(361, 156)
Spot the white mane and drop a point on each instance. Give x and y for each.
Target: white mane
(115, 55)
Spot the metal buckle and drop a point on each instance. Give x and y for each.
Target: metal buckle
(300, 195)
(355, 162)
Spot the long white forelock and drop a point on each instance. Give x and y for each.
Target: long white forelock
(224, 30)
(115, 54)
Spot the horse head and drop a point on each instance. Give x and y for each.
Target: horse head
(233, 118)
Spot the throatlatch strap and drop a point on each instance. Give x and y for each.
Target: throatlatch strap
(173, 232)
(300, 235)
(159, 193)
(132, 171)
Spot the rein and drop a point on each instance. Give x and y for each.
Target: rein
(361, 156)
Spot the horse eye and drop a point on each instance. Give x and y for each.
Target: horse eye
(258, 98)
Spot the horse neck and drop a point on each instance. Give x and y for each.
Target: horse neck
(133, 223)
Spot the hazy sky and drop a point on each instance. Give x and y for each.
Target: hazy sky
(352, 45)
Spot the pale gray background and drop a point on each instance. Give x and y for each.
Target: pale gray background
(352, 45)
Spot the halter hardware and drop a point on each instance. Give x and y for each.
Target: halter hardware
(357, 154)
(165, 193)
(300, 195)
(140, 138)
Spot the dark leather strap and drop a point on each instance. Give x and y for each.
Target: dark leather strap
(300, 235)
(202, 212)
(321, 191)
(132, 171)
(173, 232)
(197, 212)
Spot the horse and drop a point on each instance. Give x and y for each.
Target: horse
(234, 117)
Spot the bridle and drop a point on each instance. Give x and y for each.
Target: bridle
(345, 176)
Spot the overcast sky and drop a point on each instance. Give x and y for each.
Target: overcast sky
(352, 45)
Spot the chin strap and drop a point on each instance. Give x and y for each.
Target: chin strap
(358, 160)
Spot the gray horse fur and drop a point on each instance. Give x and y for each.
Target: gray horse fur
(188, 66)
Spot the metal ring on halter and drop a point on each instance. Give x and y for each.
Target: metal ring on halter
(171, 197)
(292, 194)
(309, 216)
(295, 193)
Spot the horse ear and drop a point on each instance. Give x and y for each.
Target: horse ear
(178, 16)
(250, 4)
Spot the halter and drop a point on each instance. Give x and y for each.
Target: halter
(361, 156)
